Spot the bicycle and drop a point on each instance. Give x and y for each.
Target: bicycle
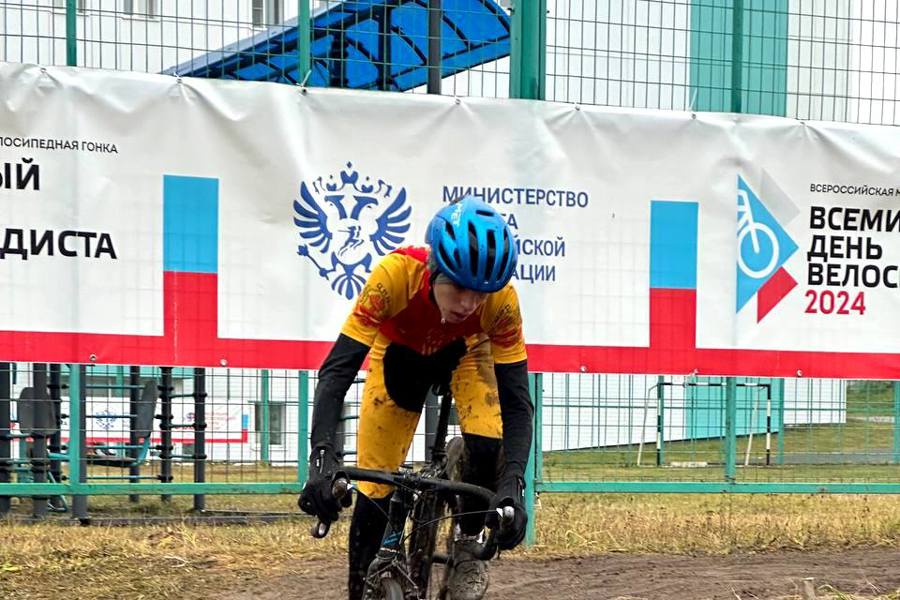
(428, 497)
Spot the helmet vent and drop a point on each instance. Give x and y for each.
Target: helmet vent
(491, 257)
(473, 249)
(506, 254)
(445, 257)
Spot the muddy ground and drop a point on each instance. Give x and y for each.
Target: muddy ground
(862, 573)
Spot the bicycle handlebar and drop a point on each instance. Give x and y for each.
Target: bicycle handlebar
(341, 486)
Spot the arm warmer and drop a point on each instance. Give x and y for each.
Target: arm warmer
(335, 377)
(517, 413)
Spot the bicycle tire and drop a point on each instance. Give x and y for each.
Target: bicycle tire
(388, 589)
(391, 589)
(423, 541)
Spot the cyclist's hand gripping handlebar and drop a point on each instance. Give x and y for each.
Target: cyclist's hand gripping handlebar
(507, 515)
(339, 489)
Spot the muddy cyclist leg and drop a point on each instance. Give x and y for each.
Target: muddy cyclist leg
(366, 529)
(384, 437)
(474, 387)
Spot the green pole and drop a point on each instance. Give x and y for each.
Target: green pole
(528, 50)
(737, 66)
(302, 426)
(730, 428)
(779, 457)
(896, 387)
(538, 429)
(527, 77)
(534, 384)
(71, 34)
(75, 431)
(303, 40)
(264, 428)
(737, 55)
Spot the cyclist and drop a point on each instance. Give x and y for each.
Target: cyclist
(442, 314)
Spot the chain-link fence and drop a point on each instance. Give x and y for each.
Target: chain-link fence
(807, 59)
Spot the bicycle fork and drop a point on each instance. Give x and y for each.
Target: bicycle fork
(391, 558)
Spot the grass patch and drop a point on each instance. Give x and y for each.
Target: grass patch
(178, 560)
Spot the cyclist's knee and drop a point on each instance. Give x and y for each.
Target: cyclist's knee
(375, 491)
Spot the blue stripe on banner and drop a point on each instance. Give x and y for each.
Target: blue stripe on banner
(673, 245)
(190, 224)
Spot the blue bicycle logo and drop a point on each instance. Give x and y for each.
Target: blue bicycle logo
(763, 257)
(763, 244)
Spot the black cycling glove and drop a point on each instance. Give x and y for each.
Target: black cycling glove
(510, 492)
(316, 498)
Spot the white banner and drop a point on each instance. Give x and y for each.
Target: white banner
(153, 220)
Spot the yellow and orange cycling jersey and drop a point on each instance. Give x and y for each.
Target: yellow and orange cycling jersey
(396, 306)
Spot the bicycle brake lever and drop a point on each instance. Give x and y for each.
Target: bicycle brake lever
(339, 489)
(320, 529)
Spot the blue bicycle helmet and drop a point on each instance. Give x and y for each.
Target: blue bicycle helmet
(472, 244)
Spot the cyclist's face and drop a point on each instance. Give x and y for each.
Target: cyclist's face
(456, 303)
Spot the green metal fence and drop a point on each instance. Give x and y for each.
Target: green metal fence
(806, 59)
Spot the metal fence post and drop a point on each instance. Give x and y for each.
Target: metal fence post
(302, 426)
(534, 383)
(737, 67)
(730, 429)
(779, 456)
(660, 421)
(77, 426)
(200, 435)
(896, 388)
(538, 429)
(71, 33)
(435, 22)
(303, 40)
(134, 402)
(40, 460)
(5, 432)
(737, 55)
(528, 50)
(264, 427)
(166, 388)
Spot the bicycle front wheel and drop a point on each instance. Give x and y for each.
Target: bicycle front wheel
(429, 519)
(387, 588)
(391, 589)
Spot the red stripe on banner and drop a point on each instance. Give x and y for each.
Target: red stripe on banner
(190, 340)
(673, 351)
(772, 291)
(751, 363)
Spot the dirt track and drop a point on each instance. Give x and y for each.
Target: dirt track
(866, 573)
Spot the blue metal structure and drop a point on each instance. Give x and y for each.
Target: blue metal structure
(374, 44)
